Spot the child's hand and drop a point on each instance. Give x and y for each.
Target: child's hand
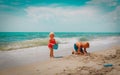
(56, 42)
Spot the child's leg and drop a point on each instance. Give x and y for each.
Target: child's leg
(51, 49)
(51, 52)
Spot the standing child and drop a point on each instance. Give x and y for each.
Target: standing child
(51, 43)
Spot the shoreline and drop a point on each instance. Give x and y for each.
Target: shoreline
(36, 42)
(73, 65)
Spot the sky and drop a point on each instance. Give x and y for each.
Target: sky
(60, 15)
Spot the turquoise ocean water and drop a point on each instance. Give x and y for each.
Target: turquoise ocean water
(17, 40)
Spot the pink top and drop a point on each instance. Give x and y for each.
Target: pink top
(51, 43)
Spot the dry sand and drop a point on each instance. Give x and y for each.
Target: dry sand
(92, 64)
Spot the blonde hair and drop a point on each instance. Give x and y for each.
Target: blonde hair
(87, 45)
(51, 33)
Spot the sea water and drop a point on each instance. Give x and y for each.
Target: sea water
(18, 40)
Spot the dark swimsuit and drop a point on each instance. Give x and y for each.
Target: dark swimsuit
(76, 48)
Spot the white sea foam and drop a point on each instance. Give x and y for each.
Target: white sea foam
(105, 41)
(66, 41)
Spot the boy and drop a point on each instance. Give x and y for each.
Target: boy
(80, 48)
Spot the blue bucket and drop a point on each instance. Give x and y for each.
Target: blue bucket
(55, 46)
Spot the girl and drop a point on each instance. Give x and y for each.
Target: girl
(51, 43)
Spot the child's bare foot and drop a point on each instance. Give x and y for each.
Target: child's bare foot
(76, 53)
(51, 56)
(80, 53)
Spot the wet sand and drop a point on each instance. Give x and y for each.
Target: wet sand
(92, 64)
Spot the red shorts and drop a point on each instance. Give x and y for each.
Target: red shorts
(50, 45)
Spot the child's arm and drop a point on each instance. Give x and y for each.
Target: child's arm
(85, 52)
(55, 41)
(79, 51)
(49, 41)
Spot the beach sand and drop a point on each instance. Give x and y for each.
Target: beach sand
(92, 64)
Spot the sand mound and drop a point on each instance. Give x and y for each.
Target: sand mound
(94, 64)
